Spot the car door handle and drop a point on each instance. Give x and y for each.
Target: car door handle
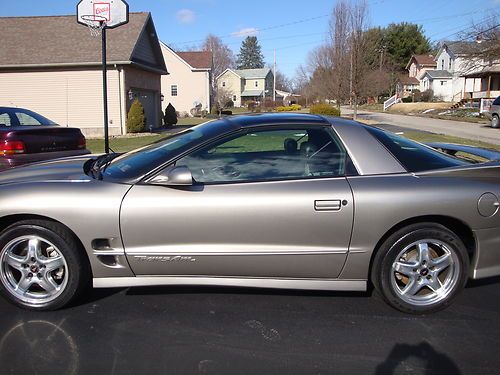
(327, 205)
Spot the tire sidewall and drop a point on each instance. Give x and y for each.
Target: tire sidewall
(495, 121)
(397, 242)
(67, 250)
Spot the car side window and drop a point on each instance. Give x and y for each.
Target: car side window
(4, 119)
(496, 101)
(269, 155)
(26, 119)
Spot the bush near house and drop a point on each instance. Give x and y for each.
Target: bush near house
(289, 108)
(136, 119)
(324, 109)
(170, 117)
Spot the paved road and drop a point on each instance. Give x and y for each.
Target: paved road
(467, 130)
(245, 331)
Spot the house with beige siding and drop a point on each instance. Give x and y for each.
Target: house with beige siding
(245, 85)
(188, 84)
(52, 66)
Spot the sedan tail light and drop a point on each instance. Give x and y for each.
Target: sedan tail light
(82, 142)
(12, 148)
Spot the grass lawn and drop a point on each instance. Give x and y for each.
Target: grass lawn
(123, 144)
(432, 137)
(191, 121)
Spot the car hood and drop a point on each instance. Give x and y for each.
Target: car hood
(66, 169)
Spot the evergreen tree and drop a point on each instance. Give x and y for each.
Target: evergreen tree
(170, 117)
(403, 40)
(136, 119)
(250, 56)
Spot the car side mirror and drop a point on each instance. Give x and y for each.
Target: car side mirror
(176, 176)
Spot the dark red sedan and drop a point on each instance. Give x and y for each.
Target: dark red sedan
(27, 137)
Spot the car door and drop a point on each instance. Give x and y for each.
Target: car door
(265, 203)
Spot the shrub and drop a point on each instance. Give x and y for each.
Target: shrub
(289, 108)
(227, 112)
(136, 119)
(427, 96)
(324, 109)
(251, 105)
(170, 115)
(408, 99)
(229, 104)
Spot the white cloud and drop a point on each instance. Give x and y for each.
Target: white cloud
(247, 31)
(185, 16)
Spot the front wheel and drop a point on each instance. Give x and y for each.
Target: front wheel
(41, 267)
(421, 268)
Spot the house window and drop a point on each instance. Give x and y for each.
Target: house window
(234, 98)
(173, 90)
(449, 64)
(256, 83)
(443, 83)
(442, 64)
(223, 83)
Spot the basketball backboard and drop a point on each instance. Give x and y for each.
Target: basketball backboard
(112, 13)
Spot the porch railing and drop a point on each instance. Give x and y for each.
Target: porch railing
(391, 101)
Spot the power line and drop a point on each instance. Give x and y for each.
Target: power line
(263, 29)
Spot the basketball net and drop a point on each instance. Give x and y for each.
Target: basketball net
(95, 24)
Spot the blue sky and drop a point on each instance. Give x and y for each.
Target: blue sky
(291, 27)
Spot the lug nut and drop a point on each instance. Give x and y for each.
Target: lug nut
(30, 274)
(33, 259)
(39, 275)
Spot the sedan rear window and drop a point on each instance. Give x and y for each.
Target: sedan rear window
(22, 117)
(413, 156)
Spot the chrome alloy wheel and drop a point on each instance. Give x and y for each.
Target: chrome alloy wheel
(425, 272)
(33, 270)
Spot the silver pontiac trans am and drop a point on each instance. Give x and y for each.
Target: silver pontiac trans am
(273, 201)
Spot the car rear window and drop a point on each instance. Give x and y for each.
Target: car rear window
(413, 156)
(497, 101)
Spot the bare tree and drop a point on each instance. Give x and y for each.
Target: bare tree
(223, 56)
(283, 82)
(223, 97)
(480, 44)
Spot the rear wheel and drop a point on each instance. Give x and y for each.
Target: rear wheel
(495, 122)
(41, 266)
(421, 268)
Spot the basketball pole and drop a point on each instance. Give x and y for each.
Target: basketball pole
(105, 90)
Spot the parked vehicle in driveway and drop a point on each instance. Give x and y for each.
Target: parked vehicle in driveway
(27, 137)
(273, 200)
(494, 113)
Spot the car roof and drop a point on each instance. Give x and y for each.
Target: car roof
(244, 121)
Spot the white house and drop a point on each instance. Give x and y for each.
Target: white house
(247, 84)
(453, 58)
(52, 66)
(188, 83)
(440, 82)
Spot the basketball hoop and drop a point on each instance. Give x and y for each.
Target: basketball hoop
(95, 23)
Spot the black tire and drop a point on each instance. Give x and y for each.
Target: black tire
(78, 269)
(385, 279)
(495, 121)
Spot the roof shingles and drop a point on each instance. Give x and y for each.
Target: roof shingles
(197, 59)
(53, 40)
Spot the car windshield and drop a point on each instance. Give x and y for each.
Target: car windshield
(135, 164)
(413, 156)
(22, 117)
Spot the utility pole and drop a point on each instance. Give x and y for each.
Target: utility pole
(274, 78)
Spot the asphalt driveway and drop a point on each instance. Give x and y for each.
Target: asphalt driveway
(175, 330)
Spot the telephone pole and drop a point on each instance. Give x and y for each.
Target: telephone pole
(274, 78)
